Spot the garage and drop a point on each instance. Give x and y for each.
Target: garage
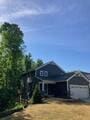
(78, 86)
(79, 91)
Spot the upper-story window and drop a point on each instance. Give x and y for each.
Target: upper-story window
(46, 73)
(41, 73)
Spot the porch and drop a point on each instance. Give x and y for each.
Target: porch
(54, 89)
(47, 88)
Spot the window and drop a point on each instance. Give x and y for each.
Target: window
(41, 73)
(46, 73)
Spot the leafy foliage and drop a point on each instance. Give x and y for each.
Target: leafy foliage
(7, 97)
(13, 62)
(11, 52)
(28, 62)
(39, 63)
(36, 97)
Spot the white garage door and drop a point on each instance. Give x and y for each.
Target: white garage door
(79, 91)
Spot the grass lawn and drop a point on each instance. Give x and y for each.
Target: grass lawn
(54, 110)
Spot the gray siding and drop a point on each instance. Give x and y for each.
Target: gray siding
(52, 69)
(78, 81)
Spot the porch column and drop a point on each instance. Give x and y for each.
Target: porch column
(43, 86)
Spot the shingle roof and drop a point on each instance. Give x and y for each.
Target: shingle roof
(63, 77)
(86, 75)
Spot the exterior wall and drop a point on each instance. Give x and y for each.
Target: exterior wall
(77, 80)
(51, 89)
(52, 69)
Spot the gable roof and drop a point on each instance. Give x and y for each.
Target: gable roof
(68, 76)
(86, 75)
(52, 63)
(64, 77)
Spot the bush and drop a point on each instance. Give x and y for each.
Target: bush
(7, 97)
(36, 97)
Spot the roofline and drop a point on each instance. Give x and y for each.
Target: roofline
(49, 63)
(69, 77)
(76, 74)
(48, 81)
(51, 80)
(83, 75)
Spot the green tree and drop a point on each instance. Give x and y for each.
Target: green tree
(36, 64)
(28, 62)
(39, 62)
(11, 53)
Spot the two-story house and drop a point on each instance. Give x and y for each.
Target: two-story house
(54, 81)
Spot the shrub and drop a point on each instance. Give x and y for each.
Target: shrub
(7, 97)
(36, 97)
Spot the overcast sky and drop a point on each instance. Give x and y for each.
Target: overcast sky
(57, 30)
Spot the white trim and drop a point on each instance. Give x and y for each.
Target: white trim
(45, 73)
(71, 77)
(43, 86)
(47, 81)
(83, 76)
(41, 73)
(50, 63)
(78, 72)
(67, 87)
(74, 76)
(79, 85)
(44, 80)
(68, 80)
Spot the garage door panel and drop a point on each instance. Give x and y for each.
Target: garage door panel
(77, 91)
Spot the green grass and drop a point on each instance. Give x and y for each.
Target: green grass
(18, 105)
(13, 105)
